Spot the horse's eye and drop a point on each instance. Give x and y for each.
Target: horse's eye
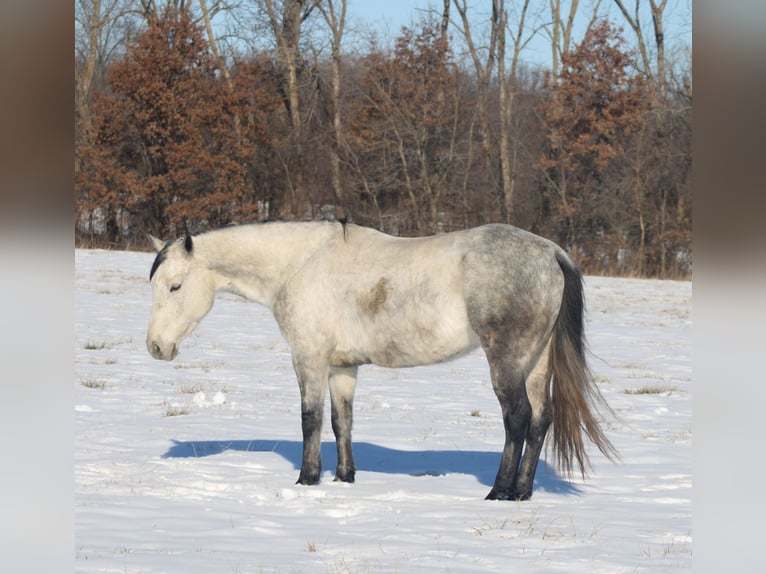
(175, 287)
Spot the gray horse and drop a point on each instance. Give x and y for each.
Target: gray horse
(345, 296)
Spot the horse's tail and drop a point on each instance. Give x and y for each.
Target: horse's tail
(574, 394)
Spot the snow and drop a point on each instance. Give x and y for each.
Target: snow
(190, 466)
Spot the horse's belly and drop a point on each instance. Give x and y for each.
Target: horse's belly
(413, 346)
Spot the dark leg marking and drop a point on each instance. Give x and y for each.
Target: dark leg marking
(534, 446)
(342, 414)
(311, 420)
(516, 415)
(509, 383)
(342, 383)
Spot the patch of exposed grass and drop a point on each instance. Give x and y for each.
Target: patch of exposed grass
(95, 345)
(93, 384)
(199, 388)
(653, 390)
(176, 410)
(92, 345)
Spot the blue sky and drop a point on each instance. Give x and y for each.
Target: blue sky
(388, 16)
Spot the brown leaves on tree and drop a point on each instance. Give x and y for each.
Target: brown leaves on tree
(408, 139)
(590, 114)
(170, 143)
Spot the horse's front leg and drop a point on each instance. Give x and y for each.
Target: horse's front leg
(342, 383)
(312, 379)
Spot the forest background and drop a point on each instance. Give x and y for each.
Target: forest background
(195, 114)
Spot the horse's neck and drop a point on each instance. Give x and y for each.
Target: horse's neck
(254, 261)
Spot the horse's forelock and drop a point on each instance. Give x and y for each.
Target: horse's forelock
(161, 256)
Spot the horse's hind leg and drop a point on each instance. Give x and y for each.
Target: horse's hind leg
(342, 383)
(508, 383)
(537, 392)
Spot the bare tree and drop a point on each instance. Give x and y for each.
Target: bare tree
(287, 33)
(483, 68)
(97, 34)
(561, 33)
(507, 94)
(336, 22)
(409, 118)
(500, 29)
(658, 80)
(91, 21)
(207, 16)
(659, 38)
(285, 20)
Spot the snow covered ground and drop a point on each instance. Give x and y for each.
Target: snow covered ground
(190, 466)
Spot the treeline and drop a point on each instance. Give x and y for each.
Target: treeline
(594, 153)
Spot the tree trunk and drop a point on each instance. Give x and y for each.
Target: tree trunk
(507, 96)
(85, 79)
(336, 22)
(561, 34)
(505, 103)
(659, 38)
(221, 64)
(483, 72)
(658, 80)
(287, 34)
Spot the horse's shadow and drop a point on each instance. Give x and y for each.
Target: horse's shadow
(375, 458)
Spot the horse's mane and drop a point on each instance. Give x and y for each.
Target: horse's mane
(344, 220)
(163, 253)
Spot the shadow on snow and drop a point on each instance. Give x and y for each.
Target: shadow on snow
(375, 458)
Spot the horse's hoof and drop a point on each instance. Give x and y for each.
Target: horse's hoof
(308, 479)
(344, 477)
(502, 494)
(524, 495)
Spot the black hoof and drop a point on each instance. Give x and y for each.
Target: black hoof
(344, 476)
(308, 478)
(524, 495)
(507, 494)
(496, 494)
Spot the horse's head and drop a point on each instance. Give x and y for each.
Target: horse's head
(182, 293)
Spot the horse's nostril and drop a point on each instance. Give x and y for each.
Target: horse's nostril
(154, 349)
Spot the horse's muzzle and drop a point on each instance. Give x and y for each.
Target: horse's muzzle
(162, 353)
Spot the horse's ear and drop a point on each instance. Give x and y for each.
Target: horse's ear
(188, 245)
(187, 238)
(157, 244)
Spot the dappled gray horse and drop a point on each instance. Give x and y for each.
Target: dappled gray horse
(345, 296)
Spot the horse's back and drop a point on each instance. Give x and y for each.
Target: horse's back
(374, 298)
(495, 270)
